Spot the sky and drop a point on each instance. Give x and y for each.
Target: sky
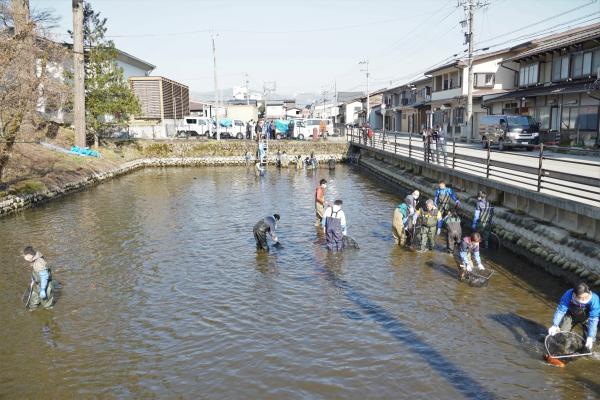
(314, 45)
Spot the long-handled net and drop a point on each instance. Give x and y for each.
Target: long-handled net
(565, 345)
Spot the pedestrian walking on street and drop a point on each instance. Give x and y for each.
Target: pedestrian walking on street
(249, 129)
(440, 144)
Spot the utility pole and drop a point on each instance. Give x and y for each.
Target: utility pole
(79, 74)
(470, 6)
(214, 50)
(366, 70)
(247, 89)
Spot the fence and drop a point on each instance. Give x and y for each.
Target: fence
(576, 178)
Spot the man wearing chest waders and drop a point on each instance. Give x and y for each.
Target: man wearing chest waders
(334, 226)
(482, 219)
(445, 198)
(262, 227)
(577, 306)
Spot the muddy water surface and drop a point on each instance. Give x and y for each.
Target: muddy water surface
(164, 296)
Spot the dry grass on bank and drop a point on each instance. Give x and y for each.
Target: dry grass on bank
(34, 168)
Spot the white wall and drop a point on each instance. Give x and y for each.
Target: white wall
(130, 70)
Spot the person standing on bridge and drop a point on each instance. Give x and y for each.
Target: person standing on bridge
(482, 219)
(578, 306)
(267, 225)
(42, 286)
(320, 201)
(443, 196)
(440, 144)
(429, 221)
(334, 226)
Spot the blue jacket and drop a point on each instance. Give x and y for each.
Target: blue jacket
(593, 308)
(445, 192)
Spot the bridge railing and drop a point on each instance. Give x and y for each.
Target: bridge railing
(539, 170)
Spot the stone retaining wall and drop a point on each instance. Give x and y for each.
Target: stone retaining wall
(13, 203)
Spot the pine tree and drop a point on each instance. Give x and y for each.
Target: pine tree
(109, 101)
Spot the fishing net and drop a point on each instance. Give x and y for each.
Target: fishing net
(350, 243)
(564, 344)
(478, 278)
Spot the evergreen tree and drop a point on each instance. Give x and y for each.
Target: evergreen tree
(109, 101)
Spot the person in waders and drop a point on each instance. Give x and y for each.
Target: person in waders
(429, 221)
(482, 219)
(400, 224)
(578, 306)
(453, 230)
(334, 226)
(445, 198)
(42, 286)
(320, 201)
(267, 225)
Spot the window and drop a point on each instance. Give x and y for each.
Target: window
(190, 121)
(529, 74)
(438, 83)
(588, 118)
(577, 65)
(542, 114)
(459, 115)
(587, 63)
(560, 68)
(569, 118)
(446, 87)
(484, 80)
(596, 61)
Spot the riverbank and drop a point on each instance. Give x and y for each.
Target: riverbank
(37, 173)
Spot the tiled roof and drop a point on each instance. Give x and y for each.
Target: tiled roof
(559, 40)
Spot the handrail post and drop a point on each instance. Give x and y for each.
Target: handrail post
(540, 170)
(487, 172)
(395, 142)
(453, 151)
(409, 145)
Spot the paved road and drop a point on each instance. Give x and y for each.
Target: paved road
(562, 173)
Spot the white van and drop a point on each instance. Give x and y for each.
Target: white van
(195, 126)
(324, 127)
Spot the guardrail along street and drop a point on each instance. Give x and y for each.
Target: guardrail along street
(573, 177)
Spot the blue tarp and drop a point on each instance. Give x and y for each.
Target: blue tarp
(84, 152)
(281, 125)
(225, 122)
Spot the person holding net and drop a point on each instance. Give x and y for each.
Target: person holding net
(578, 306)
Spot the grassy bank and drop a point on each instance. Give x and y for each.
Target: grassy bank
(34, 168)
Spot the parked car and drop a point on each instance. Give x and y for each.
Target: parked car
(231, 129)
(324, 126)
(195, 126)
(508, 131)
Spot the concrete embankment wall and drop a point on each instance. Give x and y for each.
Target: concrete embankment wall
(178, 154)
(556, 249)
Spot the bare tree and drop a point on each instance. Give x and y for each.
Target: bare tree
(30, 75)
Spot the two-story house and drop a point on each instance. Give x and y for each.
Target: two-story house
(407, 106)
(449, 90)
(555, 85)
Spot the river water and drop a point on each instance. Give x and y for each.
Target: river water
(164, 296)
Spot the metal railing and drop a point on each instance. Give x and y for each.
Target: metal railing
(571, 177)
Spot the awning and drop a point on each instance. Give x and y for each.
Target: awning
(542, 91)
